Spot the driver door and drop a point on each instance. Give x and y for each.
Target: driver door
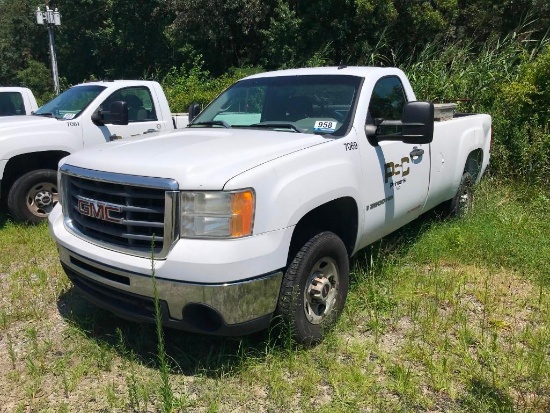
(142, 115)
(398, 177)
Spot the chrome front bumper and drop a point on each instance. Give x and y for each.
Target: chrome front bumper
(224, 309)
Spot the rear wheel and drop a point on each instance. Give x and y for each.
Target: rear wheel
(463, 201)
(33, 196)
(315, 287)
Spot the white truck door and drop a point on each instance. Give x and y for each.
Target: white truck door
(396, 174)
(143, 120)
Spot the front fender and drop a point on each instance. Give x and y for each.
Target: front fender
(39, 141)
(289, 187)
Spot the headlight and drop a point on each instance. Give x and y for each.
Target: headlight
(217, 214)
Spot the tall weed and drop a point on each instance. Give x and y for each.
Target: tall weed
(184, 86)
(510, 80)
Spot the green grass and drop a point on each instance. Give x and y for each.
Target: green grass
(444, 315)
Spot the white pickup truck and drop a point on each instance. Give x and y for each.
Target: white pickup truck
(255, 209)
(31, 146)
(16, 101)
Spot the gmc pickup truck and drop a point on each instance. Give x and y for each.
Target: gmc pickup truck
(31, 146)
(255, 209)
(16, 101)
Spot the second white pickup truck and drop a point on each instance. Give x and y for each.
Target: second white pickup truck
(254, 210)
(31, 146)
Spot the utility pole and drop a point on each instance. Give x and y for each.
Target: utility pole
(50, 18)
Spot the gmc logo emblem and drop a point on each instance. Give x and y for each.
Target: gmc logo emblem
(98, 210)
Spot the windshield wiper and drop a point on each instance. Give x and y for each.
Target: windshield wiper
(48, 114)
(212, 123)
(276, 125)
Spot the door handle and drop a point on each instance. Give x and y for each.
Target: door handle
(416, 152)
(150, 131)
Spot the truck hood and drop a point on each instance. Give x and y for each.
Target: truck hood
(17, 125)
(197, 159)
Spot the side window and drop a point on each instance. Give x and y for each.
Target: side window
(387, 100)
(11, 103)
(139, 100)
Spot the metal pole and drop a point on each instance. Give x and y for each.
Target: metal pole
(50, 18)
(54, 60)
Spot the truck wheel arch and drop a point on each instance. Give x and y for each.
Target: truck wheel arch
(339, 216)
(474, 163)
(464, 190)
(461, 203)
(21, 164)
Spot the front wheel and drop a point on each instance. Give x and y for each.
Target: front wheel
(315, 287)
(33, 196)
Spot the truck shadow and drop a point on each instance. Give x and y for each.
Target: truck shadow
(398, 242)
(3, 218)
(189, 353)
(213, 356)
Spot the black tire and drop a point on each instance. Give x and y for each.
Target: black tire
(314, 288)
(463, 201)
(33, 195)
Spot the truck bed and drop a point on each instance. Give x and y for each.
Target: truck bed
(453, 141)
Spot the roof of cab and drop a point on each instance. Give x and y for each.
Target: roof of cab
(361, 71)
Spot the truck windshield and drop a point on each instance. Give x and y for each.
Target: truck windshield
(306, 104)
(70, 103)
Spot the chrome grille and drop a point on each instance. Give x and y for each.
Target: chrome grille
(127, 213)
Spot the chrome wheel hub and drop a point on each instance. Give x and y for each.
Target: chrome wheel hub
(41, 198)
(321, 290)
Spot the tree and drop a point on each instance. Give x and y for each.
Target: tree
(21, 40)
(479, 20)
(225, 33)
(113, 39)
(281, 40)
(37, 77)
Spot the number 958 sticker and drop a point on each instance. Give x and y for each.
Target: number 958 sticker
(325, 126)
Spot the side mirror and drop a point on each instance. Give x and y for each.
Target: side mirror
(194, 110)
(417, 125)
(418, 122)
(98, 117)
(117, 115)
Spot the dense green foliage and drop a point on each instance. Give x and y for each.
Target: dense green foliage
(183, 87)
(137, 38)
(510, 80)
